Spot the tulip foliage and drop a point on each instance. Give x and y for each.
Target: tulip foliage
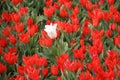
(60, 40)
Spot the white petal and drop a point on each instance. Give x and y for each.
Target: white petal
(51, 30)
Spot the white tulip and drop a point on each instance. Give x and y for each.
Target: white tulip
(51, 30)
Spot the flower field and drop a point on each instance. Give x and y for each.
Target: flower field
(59, 39)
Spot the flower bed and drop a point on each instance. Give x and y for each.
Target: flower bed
(59, 39)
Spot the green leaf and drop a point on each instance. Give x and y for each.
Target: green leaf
(40, 18)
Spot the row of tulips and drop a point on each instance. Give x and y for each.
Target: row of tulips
(60, 40)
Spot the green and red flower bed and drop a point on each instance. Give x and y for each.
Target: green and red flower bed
(60, 40)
